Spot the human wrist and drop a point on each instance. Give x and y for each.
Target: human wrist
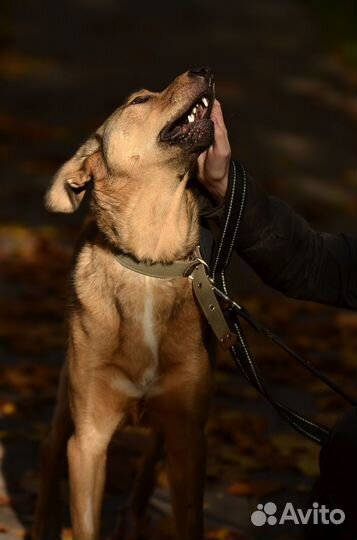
(218, 188)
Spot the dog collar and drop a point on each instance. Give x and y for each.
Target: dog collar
(195, 269)
(159, 270)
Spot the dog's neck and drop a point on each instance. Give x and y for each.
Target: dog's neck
(154, 220)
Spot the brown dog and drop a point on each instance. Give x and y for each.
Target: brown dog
(137, 344)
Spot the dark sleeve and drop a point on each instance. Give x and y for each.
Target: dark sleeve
(208, 207)
(291, 257)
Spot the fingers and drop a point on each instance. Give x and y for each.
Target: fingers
(221, 147)
(201, 160)
(213, 164)
(221, 143)
(217, 115)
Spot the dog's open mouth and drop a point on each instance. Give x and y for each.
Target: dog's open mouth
(192, 129)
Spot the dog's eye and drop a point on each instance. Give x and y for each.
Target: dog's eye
(139, 99)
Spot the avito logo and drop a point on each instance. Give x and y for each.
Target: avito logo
(266, 514)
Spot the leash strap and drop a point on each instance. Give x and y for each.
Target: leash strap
(237, 310)
(240, 311)
(206, 297)
(240, 352)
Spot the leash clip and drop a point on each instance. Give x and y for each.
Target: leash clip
(192, 267)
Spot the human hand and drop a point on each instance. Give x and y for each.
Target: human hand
(213, 164)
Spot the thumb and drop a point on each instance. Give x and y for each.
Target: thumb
(201, 162)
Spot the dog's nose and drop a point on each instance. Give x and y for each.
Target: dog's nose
(200, 72)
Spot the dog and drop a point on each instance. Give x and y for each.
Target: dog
(137, 346)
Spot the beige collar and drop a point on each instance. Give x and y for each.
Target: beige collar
(159, 270)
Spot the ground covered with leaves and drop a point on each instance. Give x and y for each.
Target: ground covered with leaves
(291, 116)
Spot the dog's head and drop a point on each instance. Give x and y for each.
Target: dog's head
(150, 132)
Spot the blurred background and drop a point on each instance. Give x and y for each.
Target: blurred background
(286, 77)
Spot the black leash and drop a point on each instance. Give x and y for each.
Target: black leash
(237, 310)
(240, 352)
(242, 312)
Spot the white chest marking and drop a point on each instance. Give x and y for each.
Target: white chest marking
(149, 331)
(146, 384)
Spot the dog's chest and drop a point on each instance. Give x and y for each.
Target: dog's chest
(152, 312)
(149, 305)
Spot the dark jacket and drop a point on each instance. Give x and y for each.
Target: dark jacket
(287, 253)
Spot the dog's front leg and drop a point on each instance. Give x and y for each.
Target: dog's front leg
(186, 460)
(132, 518)
(87, 451)
(97, 411)
(181, 410)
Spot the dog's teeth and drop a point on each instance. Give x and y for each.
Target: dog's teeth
(194, 110)
(205, 101)
(191, 117)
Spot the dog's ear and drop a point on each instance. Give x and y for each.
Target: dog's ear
(71, 180)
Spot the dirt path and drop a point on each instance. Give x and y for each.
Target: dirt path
(291, 116)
